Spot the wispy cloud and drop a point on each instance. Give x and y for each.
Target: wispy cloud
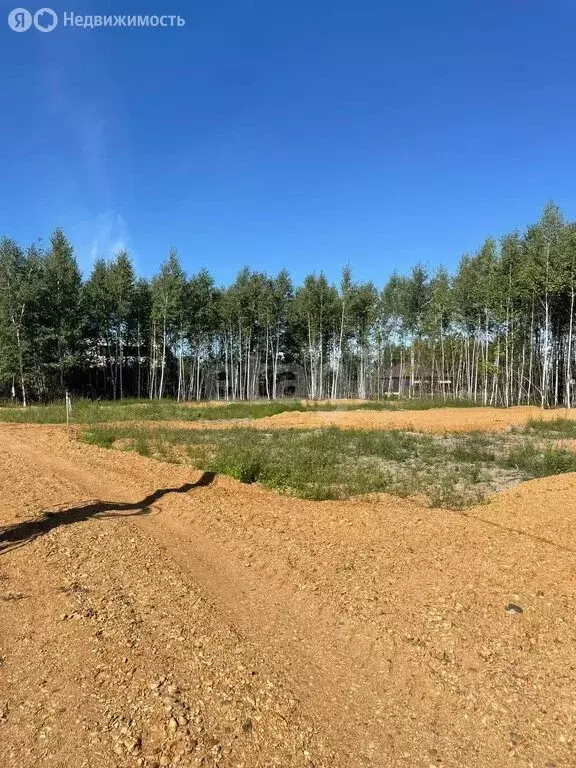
(101, 238)
(82, 121)
(110, 236)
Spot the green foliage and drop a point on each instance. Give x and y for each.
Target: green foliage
(60, 338)
(452, 471)
(167, 293)
(553, 427)
(16, 293)
(541, 461)
(499, 331)
(241, 463)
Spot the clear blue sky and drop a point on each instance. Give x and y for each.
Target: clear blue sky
(304, 134)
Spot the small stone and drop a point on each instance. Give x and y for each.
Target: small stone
(172, 724)
(514, 609)
(118, 748)
(164, 760)
(172, 689)
(132, 744)
(182, 720)
(247, 726)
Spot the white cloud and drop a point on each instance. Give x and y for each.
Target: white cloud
(110, 235)
(101, 238)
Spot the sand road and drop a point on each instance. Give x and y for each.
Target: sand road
(152, 619)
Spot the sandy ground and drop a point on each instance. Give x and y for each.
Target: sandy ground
(437, 420)
(149, 620)
(433, 420)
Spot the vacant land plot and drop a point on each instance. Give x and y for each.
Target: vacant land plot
(152, 614)
(94, 412)
(447, 470)
(436, 420)
(414, 416)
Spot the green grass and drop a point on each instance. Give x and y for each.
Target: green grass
(541, 461)
(101, 412)
(97, 412)
(452, 471)
(555, 427)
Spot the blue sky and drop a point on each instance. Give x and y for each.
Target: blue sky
(299, 134)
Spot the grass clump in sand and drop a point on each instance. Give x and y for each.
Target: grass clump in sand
(554, 428)
(452, 471)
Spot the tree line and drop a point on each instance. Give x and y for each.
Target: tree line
(500, 330)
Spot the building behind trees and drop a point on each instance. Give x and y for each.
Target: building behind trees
(500, 330)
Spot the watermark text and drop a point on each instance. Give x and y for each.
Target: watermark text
(46, 19)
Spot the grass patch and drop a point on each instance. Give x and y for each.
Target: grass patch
(453, 471)
(555, 427)
(541, 460)
(102, 412)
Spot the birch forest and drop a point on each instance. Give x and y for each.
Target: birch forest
(498, 331)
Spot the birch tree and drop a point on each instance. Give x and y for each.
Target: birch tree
(167, 313)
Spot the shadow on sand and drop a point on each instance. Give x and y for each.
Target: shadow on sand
(17, 535)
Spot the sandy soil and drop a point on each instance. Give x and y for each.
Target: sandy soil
(437, 420)
(433, 420)
(151, 621)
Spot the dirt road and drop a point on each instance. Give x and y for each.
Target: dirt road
(160, 617)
